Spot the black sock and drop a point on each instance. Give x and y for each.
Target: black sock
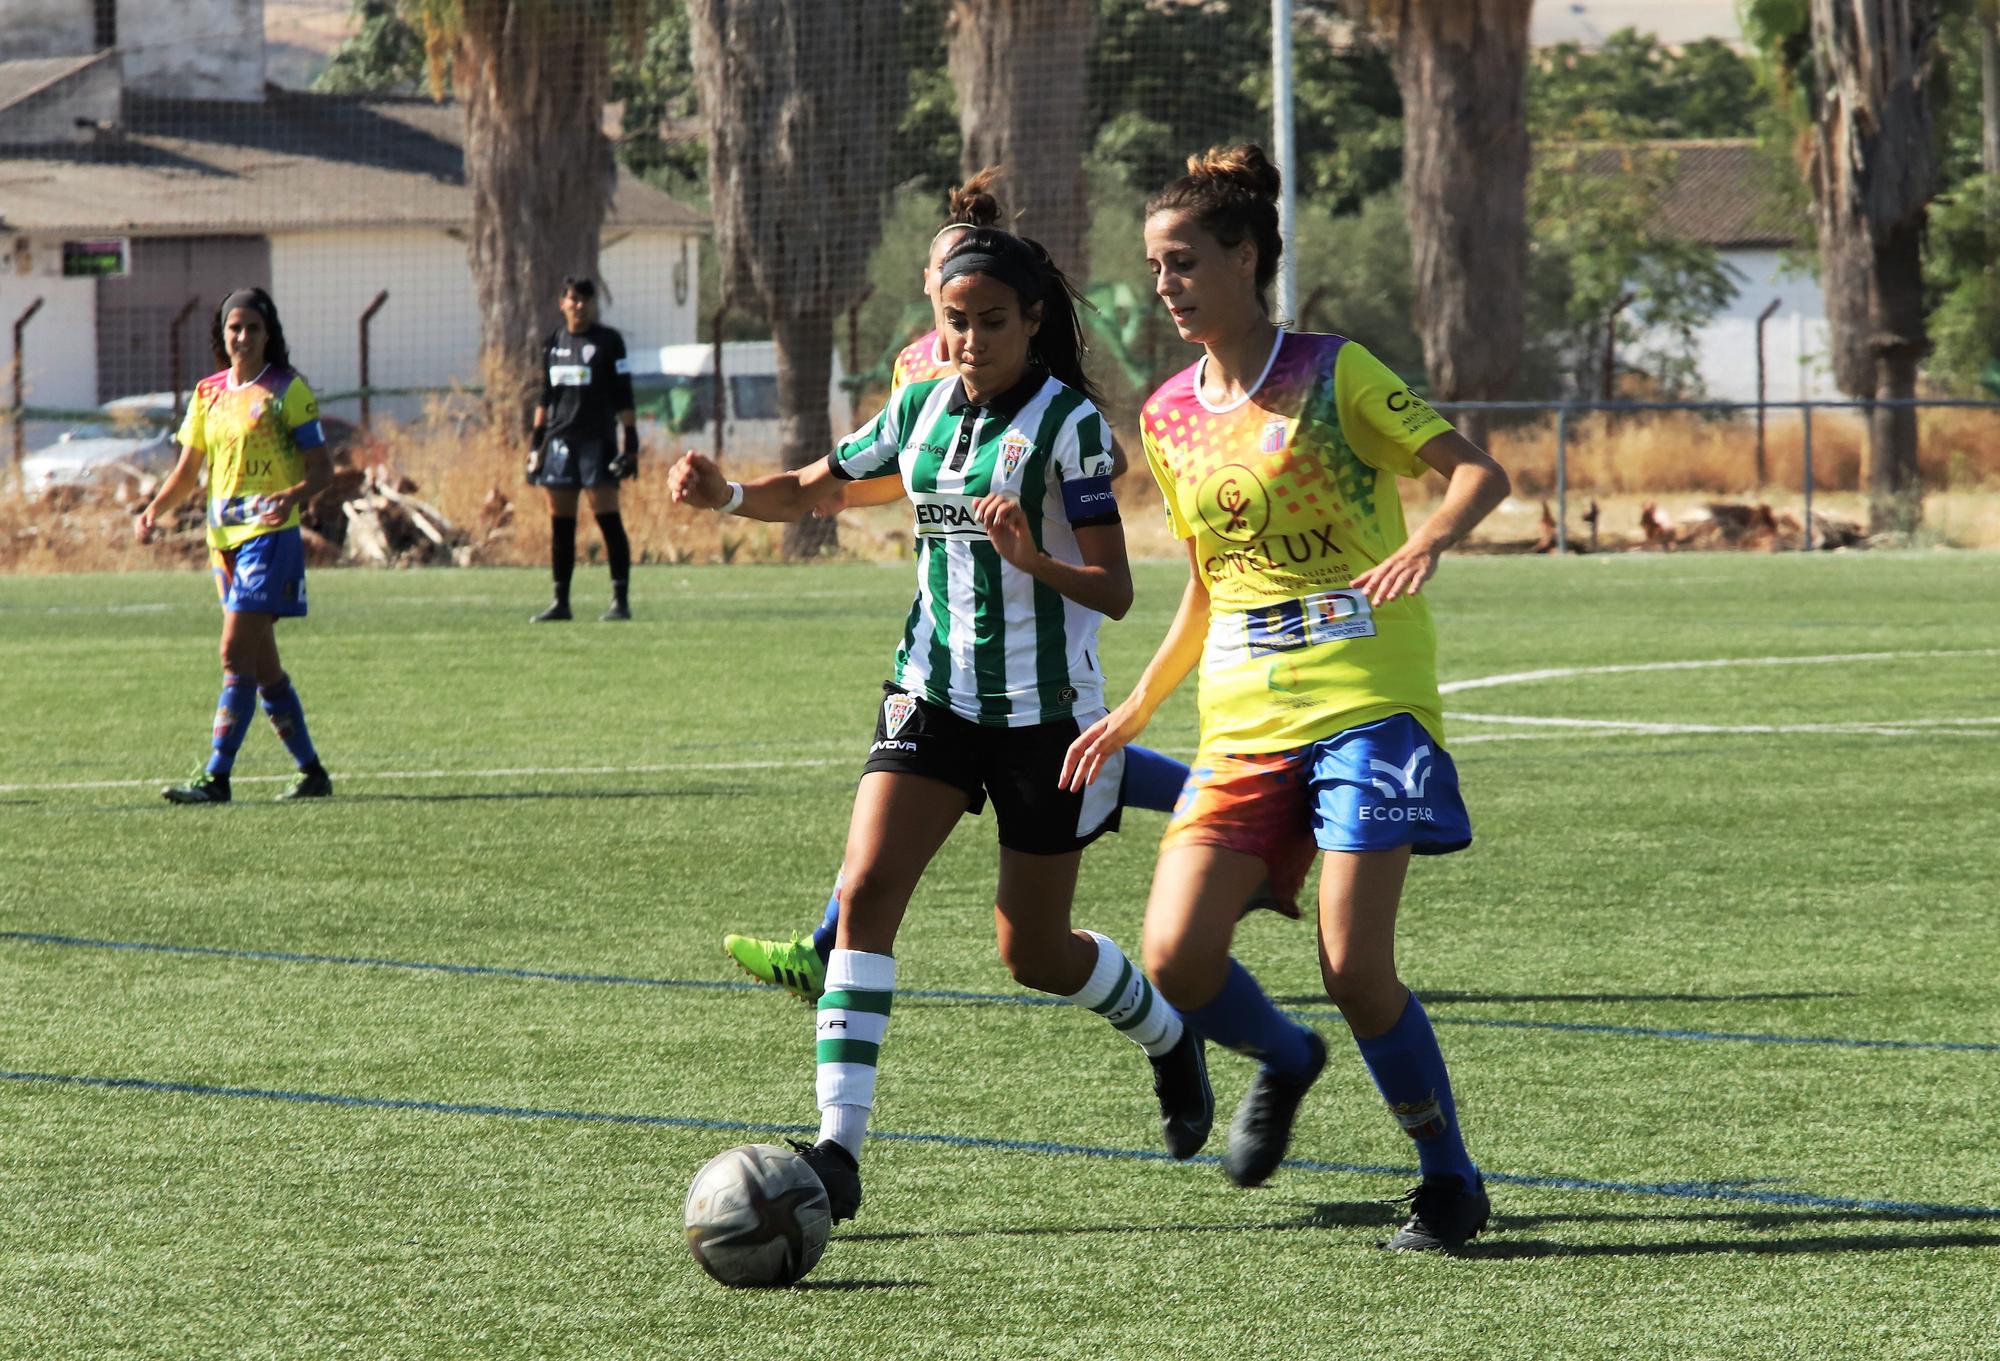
(618, 549)
(562, 553)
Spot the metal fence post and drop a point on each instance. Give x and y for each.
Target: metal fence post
(367, 315)
(20, 435)
(1562, 479)
(1805, 410)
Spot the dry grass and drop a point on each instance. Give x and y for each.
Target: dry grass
(1685, 452)
(1678, 460)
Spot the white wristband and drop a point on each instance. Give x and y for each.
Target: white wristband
(735, 499)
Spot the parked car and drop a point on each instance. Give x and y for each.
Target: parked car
(138, 433)
(674, 388)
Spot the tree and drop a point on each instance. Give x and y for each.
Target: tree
(1963, 270)
(1019, 67)
(1462, 69)
(384, 55)
(802, 99)
(1634, 86)
(1632, 290)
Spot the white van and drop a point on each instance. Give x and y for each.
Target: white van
(674, 389)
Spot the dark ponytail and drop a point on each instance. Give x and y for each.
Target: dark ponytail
(1025, 267)
(1233, 193)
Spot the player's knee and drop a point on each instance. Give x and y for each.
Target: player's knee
(1355, 980)
(1180, 972)
(1037, 963)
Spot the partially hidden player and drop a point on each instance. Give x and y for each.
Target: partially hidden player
(1021, 556)
(1321, 723)
(585, 439)
(255, 428)
(1151, 779)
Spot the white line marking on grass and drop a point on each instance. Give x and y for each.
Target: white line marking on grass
(1895, 727)
(160, 607)
(1714, 663)
(505, 772)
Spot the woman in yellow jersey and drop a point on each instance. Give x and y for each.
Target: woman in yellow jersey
(1321, 729)
(254, 429)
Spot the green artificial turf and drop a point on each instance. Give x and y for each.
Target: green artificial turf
(1716, 987)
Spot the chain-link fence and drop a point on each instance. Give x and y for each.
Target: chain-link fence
(413, 189)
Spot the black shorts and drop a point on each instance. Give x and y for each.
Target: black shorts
(573, 462)
(1017, 768)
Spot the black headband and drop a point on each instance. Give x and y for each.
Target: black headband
(1014, 270)
(246, 297)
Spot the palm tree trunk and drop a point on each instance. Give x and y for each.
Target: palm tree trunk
(804, 341)
(1019, 70)
(1462, 68)
(541, 174)
(1873, 172)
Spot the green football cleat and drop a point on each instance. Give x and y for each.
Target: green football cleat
(311, 784)
(201, 787)
(792, 965)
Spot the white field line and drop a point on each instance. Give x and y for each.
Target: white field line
(1557, 728)
(1893, 726)
(1829, 659)
(499, 773)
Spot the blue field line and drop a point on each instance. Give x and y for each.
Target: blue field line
(1724, 1036)
(1744, 1190)
(952, 995)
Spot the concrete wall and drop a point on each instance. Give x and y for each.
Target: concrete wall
(46, 28)
(192, 49)
(51, 116)
(427, 333)
(1795, 338)
(59, 345)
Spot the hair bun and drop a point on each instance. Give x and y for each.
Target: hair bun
(1243, 164)
(974, 202)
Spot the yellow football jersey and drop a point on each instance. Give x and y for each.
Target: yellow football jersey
(1289, 495)
(253, 438)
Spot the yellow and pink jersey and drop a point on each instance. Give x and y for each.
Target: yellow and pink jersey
(253, 439)
(919, 361)
(1289, 494)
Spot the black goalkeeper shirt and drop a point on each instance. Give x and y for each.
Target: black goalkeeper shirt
(586, 382)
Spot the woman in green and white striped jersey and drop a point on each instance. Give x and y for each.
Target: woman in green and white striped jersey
(1007, 463)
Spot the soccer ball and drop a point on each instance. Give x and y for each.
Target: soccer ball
(757, 1215)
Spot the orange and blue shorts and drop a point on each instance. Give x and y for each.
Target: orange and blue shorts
(1376, 787)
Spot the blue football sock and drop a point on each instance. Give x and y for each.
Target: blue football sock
(829, 924)
(288, 716)
(1151, 780)
(1408, 1069)
(1242, 1018)
(233, 713)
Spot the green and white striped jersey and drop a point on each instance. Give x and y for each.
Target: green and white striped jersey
(983, 638)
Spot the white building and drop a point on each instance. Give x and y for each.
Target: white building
(1722, 194)
(157, 170)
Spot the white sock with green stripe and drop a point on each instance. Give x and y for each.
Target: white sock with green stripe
(853, 1017)
(1122, 995)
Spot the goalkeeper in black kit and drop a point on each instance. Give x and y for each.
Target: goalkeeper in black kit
(586, 438)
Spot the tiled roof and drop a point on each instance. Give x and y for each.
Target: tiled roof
(295, 162)
(1723, 193)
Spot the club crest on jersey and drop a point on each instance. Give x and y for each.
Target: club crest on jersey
(257, 409)
(897, 711)
(589, 353)
(1013, 448)
(1274, 435)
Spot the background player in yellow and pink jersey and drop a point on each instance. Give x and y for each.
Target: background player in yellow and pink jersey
(254, 428)
(1151, 779)
(1321, 730)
